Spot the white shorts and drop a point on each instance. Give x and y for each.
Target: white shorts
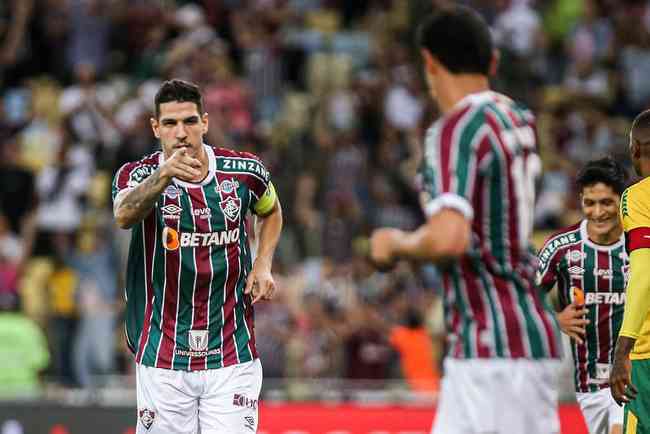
(214, 401)
(498, 396)
(600, 411)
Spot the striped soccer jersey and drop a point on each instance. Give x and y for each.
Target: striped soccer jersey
(593, 275)
(480, 159)
(188, 263)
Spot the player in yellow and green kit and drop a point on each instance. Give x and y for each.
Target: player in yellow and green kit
(630, 375)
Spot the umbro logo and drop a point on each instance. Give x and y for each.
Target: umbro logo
(171, 209)
(576, 270)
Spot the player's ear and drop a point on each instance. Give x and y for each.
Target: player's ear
(155, 127)
(635, 149)
(204, 120)
(431, 65)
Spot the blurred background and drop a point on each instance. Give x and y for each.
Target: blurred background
(329, 93)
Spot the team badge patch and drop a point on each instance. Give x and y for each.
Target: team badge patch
(231, 208)
(172, 192)
(227, 186)
(146, 417)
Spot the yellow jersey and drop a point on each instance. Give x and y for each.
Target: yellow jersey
(635, 215)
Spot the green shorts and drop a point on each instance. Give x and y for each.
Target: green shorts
(637, 412)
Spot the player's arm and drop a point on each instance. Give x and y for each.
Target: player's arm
(269, 212)
(636, 223)
(132, 205)
(570, 317)
(445, 235)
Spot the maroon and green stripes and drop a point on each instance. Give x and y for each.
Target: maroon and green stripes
(491, 304)
(570, 260)
(179, 285)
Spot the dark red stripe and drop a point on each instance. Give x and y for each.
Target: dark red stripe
(149, 234)
(511, 318)
(446, 146)
(203, 271)
(232, 257)
(478, 308)
(604, 310)
(170, 301)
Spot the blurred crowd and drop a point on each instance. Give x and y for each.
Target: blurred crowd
(330, 95)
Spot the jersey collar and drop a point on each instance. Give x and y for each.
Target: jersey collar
(585, 236)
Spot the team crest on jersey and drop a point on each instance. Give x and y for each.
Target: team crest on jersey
(227, 186)
(172, 192)
(231, 208)
(146, 417)
(198, 340)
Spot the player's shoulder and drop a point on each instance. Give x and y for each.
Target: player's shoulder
(234, 161)
(637, 191)
(559, 240)
(136, 171)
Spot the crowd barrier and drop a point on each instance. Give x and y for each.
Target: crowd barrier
(293, 418)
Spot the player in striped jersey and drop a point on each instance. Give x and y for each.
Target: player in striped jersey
(630, 376)
(587, 262)
(190, 282)
(478, 175)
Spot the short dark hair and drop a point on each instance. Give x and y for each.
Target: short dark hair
(178, 90)
(459, 38)
(641, 127)
(606, 170)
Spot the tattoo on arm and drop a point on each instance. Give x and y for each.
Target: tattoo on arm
(137, 203)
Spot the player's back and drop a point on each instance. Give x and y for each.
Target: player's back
(481, 160)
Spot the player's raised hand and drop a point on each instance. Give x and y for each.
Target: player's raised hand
(573, 322)
(382, 247)
(260, 283)
(182, 166)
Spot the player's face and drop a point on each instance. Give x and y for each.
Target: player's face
(180, 126)
(600, 206)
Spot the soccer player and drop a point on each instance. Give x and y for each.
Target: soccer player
(630, 376)
(588, 264)
(478, 175)
(190, 284)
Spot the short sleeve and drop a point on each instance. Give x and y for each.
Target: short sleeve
(635, 215)
(450, 166)
(263, 194)
(547, 265)
(129, 176)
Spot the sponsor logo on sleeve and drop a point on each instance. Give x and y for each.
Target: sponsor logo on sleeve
(139, 174)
